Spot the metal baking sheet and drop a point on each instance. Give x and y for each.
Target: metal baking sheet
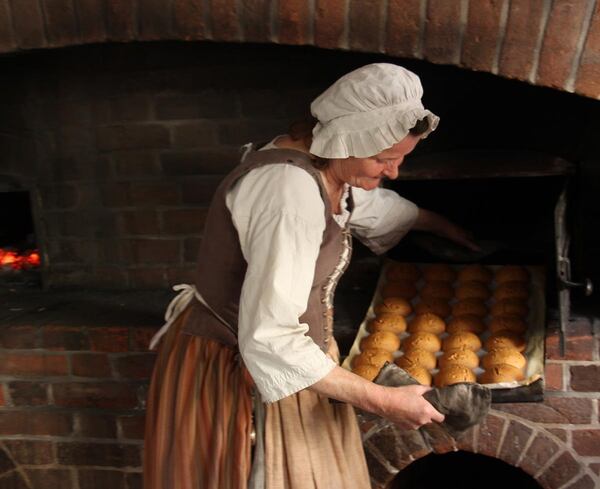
(529, 389)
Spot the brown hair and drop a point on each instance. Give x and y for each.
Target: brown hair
(302, 130)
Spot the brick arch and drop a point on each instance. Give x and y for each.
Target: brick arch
(516, 441)
(553, 44)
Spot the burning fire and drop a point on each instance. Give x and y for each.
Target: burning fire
(15, 260)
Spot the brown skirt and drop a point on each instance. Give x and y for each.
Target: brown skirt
(199, 420)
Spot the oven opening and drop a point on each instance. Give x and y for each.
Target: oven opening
(462, 470)
(19, 255)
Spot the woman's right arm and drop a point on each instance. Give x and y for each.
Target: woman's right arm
(404, 406)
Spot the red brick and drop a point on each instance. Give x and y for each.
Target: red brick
(114, 395)
(404, 24)
(388, 443)
(256, 16)
(225, 20)
(154, 17)
(32, 422)
(90, 365)
(28, 393)
(588, 76)
(29, 452)
(330, 19)
(136, 163)
(132, 136)
(120, 19)
(148, 278)
(489, 435)
(29, 364)
(140, 338)
(560, 42)
(132, 427)
(100, 454)
(200, 191)
(108, 277)
(3, 400)
(520, 40)
(195, 134)
(482, 34)
(585, 482)
(154, 193)
(138, 366)
(293, 22)
(587, 442)
(553, 377)
(134, 480)
(515, 440)
(190, 251)
(49, 478)
(184, 221)
(109, 339)
(181, 275)
(19, 337)
(152, 251)
(198, 162)
(188, 19)
(579, 345)
(414, 443)
(90, 14)
(585, 378)
(7, 40)
(442, 31)
(61, 28)
(559, 410)
(365, 26)
(558, 433)
(542, 449)
(379, 471)
(96, 425)
(28, 24)
(94, 479)
(139, 222)
(466, 441)
(14, 480)
(115, 194)
(562, 470)
(64, 338)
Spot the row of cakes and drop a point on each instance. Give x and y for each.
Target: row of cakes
(452, 346)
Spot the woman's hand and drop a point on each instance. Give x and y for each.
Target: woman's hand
(435, 223)
(407, 408)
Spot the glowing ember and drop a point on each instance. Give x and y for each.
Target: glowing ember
(15, 260)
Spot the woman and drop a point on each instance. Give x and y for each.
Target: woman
(255, 333)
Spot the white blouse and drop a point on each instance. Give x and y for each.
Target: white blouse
(279, 215)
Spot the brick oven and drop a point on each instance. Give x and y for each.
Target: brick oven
(117, 121)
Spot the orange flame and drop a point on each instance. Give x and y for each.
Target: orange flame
(19, 261)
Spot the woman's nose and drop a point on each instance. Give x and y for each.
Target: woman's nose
(391, 170)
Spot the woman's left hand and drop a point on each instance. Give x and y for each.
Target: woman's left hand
(435, 223)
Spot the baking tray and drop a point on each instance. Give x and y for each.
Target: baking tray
(530, 389)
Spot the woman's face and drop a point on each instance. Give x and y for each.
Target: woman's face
(367, 173)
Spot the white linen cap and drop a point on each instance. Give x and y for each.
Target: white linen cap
(367, 111)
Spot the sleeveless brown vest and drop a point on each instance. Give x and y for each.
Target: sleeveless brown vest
(222, 267)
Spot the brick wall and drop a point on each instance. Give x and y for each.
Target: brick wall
(557, 442)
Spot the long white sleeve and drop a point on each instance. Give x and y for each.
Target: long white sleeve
(279, 215)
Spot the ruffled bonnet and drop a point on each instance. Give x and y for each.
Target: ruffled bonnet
(367, 111)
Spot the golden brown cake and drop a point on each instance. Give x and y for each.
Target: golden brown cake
(464, 339)
(475, 307)
(374, 356)
(511, 273)
(462, 356)
(512, 290)
(405, 290)
(403, 271)
(419, 373)
(503, 355)
(473, 290)
(509, 323)
(368, 372)
(418, 356)
(393, 305)
(466, 322)
(387, 322)
(453, 374)
(428, 322)
(439, 307)
(501, 373)
(381, 339)
(510, 307)
(476, 273)
(424, 341)
(440, 272)
(505, 339)
(437, 290)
